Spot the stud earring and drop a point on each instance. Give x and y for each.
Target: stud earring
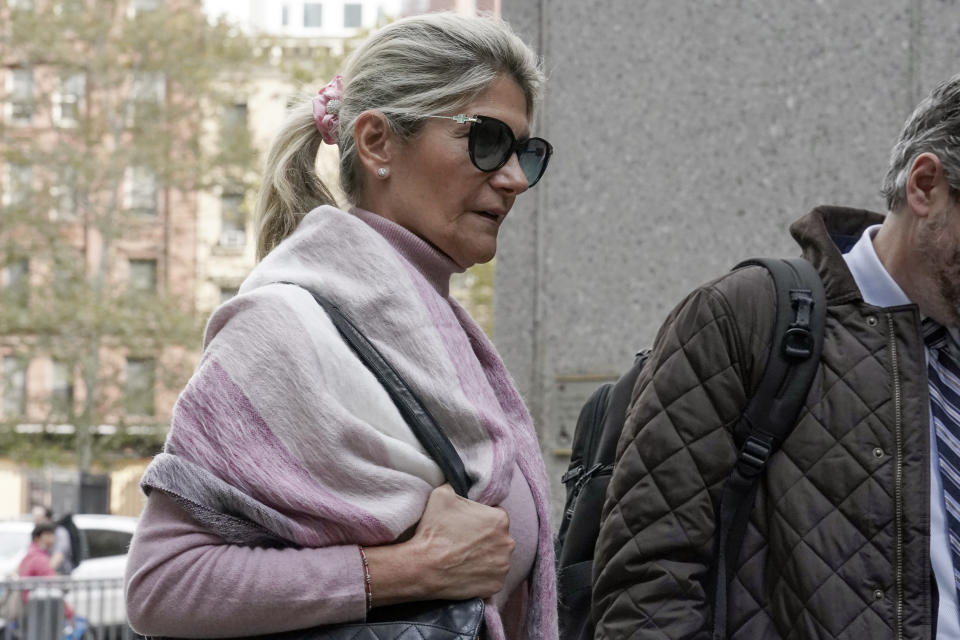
(382, 172)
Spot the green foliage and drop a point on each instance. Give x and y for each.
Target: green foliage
(474, 290)
(156, 87)
(47, 449)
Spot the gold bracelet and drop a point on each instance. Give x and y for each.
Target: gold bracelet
(368, 586)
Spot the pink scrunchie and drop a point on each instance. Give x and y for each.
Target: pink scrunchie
(326, 109)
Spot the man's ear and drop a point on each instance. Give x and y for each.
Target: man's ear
(375, 142)
(927, 185)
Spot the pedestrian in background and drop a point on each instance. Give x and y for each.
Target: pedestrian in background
(62, 551)
(854, 531)
(37, 563)
(291, 493)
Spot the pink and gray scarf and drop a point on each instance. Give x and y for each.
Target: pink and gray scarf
(282, 437)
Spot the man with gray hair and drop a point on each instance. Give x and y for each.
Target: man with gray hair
(855, 528)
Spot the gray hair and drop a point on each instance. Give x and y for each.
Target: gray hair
(415, 67)
(933, 127)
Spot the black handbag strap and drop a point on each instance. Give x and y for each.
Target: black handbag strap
(421, 422)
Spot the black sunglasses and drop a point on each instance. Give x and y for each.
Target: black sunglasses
(492, 142)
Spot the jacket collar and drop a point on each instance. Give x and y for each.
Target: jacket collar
(823, 234)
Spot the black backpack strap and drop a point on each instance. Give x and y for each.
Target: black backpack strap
(620, 397)
(419, 419)
(772, 412)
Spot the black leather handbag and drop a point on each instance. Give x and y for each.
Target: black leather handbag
(434, 620)
(430, 620)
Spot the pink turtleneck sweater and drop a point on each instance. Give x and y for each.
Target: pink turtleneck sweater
(183, 580)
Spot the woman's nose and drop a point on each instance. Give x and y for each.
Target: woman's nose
(510, 177)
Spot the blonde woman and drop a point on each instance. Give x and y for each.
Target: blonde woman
(290, 492)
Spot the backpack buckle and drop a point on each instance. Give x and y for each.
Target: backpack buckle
(576, 472)
(754, 455)
(582, 477)
(798, 340)
(798, 343)
(589, 473)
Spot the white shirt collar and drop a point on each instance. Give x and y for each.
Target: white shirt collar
(876, 285)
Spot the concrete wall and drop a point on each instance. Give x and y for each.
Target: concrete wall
(687, 136)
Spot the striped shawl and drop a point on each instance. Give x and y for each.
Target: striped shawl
(283, 438)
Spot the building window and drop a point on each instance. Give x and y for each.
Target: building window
(285, 15)
(312, 14)
(69, 7)
(148, 86)
(227, 292)
(20, 89)
(148, 89)
(140, 191)
(143, 276)
(19, 185)
(66, 273)
(138, 393)
(352, 15)
(65, 195)
(14, 387)
(141, 6)
(233, 222)
(68, 100)
(61, 389)
(16, 283)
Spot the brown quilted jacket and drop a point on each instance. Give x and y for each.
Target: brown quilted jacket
(838, 543)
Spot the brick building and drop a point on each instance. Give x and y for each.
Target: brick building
(99, 196)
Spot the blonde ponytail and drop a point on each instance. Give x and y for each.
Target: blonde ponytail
(291, 187)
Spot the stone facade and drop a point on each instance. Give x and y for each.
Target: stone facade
(687, 137)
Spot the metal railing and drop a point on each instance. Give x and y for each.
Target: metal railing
(63, 609)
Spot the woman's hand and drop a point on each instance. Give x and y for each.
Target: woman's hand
(461, 549)
(464, 546)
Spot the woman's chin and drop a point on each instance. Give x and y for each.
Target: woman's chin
(480, 255)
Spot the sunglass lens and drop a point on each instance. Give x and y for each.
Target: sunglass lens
(492, 141)
(533, 157)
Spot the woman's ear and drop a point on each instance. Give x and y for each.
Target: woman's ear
(374, 139)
